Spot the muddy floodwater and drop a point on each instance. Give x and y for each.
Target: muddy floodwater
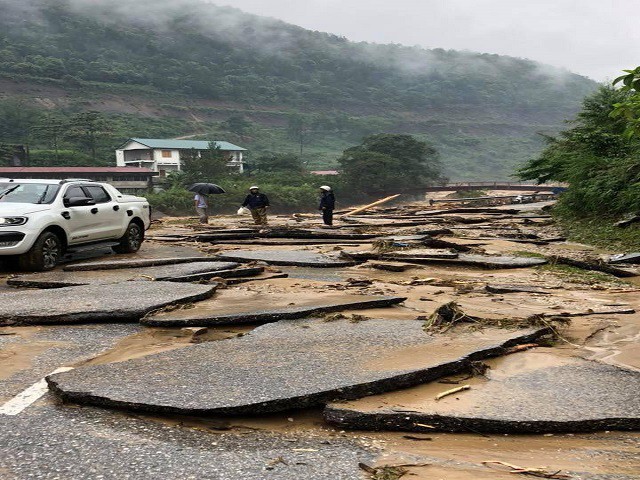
(582, 316)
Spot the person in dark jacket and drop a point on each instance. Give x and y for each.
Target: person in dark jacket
(258, 203)
(327, 204)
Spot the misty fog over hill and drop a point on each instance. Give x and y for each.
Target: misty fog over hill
(187, 66)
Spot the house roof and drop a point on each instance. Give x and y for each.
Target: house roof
(132, 170)
(184, 144)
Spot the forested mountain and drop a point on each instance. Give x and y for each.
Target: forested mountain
(181, 67)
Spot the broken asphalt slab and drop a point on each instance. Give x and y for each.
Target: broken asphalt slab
(412, 254)
(184, 272)
(232, 307)
(134, 263)
(592, 265)
(118, 447)
(298, 258)
(120, 302)
(422, 256)
(495, 288)
(530, 392)
(284, 365)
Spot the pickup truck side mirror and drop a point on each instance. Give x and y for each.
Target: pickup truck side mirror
(78, 201)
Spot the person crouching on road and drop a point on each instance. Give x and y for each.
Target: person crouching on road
(258, 203)
(327, 204)
(202, 206)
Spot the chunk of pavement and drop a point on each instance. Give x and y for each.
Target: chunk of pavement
(421, 253)
(504, 261)
(316, 233)
(405, 255)
(528, 392)
(265, 276)
(170, 273)
(625, 258)
(238, 306)
(452, 258)
(134, 263)
(298, 258)
(121, 302)
(284, 365)
(391, 266)
(592, 265)
(496, 288)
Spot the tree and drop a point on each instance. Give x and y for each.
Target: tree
(629, 109)
(596, 158)
(390, 163)
(16, 120)
(204, 165)
(280, 163)
(595, 133)
(87, 128)
(50, 129)
(237, 124)
(299, 128)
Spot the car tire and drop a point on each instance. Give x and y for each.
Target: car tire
(132, 239)
(44, 255)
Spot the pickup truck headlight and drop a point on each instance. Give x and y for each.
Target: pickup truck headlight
(12, 221)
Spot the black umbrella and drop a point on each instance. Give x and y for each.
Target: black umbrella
(206, 188)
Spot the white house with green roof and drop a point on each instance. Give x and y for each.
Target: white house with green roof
(166, 155)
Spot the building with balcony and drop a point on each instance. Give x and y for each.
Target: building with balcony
(165, 156)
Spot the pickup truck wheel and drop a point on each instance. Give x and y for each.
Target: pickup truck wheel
(131, 240)
(44, 255)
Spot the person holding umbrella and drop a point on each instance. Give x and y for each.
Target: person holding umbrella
(202, 206)
(327, 204)
(201, 199)
(258, 203)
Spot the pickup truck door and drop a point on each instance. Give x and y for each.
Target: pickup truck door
(111, 215)
(80, 222)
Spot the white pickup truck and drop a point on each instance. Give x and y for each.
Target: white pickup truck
(41, 219)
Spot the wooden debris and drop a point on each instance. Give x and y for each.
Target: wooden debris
(389, 472)
(424, 425)
(452, 391)
(417, 439)
(374, 204)
(446, 316)
(535, 472)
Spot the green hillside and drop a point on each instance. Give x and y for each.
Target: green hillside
(175, 68)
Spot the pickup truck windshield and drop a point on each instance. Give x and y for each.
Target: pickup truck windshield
(28, 192)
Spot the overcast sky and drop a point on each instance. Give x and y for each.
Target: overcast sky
(596, 38)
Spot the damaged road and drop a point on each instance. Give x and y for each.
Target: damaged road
(121, 302)
(183, 272)
(270, 369)
(176, 397)
(233, 307)
(528, 392)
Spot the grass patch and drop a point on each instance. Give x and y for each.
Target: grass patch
(571, 274)
(601, 232)
(522, 253)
